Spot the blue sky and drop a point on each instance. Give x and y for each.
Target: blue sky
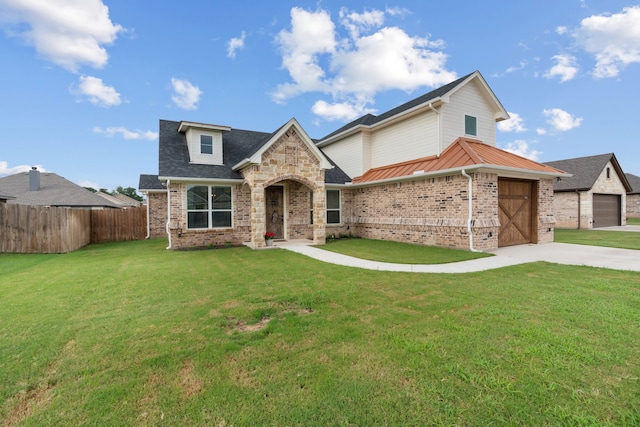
(84, 82)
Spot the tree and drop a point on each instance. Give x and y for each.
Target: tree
(129, 192)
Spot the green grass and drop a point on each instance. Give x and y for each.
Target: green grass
(633, 221)
(613, 239)
(132, 334)
(396, 252)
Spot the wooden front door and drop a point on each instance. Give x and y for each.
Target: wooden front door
(274, 201)
(516, 209)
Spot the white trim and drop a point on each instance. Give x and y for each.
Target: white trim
(208, 181)
(185, 126)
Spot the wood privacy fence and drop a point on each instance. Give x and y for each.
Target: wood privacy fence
(39, 229)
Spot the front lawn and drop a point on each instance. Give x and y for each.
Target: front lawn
(613, 239)
(396, 252)
(132, 334)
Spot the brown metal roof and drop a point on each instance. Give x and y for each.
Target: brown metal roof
(464, 152)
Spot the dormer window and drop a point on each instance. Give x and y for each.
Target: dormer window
(470, 125)
(206, 144)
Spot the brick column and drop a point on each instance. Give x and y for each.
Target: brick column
(319, 216)
(257, 216)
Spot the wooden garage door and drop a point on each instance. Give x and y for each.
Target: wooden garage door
(606, 210)
(516, 208)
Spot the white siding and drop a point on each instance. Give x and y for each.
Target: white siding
(193, 141)
(348, 154)
(409, 139)
(468, 100)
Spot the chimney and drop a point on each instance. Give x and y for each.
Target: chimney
(34, 179)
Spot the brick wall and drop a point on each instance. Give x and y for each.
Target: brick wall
(546, 212)
(431, 211)
(633, 205)
(157, 204)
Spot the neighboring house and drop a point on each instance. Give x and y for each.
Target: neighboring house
(426, 172)
(4, 198)
(633, 196)
(595, 196)
(119, 200)
(49, 189)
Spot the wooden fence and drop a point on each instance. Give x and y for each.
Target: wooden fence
(38, 229)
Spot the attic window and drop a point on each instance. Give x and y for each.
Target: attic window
(470, 125)
(206, 144)
(608, 173)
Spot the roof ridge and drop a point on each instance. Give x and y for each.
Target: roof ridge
(464, 144)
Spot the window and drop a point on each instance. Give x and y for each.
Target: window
(206, 144)
(608, 173)
(470, 125)
(208, 206)
(311, 207)
(333, 206)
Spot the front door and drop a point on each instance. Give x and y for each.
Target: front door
(274, 201)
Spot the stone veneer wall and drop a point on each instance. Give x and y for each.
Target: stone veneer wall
(182, 238)
(566, 209)
(157, 205)
(428, 211)
(633, 205)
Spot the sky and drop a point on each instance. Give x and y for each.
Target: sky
(85, 82)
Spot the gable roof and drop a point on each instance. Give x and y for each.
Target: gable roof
(255, 156)
(585, 171)
(464, 153)
(440, 94)
(634, 182)
(119, 200)
(238, 147)
(54, 190)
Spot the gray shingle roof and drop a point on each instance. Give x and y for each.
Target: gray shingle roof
(54, 191)
(150, 183)
(585, 171)
(370, 119)
(237, 145)
(634, 182)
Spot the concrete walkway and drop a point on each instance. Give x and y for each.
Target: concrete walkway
(559, 253)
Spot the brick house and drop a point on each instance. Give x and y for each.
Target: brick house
(633, 196)
(426, 172)
(594, 196)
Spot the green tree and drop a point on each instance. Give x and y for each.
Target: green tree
(129, 192)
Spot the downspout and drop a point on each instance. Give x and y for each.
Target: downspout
(168, 212)
(470, 219)
(430, 105)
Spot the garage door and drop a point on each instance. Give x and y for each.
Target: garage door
(606, 210)
(516, 207)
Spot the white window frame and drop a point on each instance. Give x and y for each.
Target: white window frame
(210, 209)
(338, 209)
(210, 144)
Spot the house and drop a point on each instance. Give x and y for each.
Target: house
(426, 172)
(120, 200)
(595, 196)
(155, 193)
(49, 189)
(633, 196)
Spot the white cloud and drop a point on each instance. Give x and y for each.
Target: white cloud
(565, 68)
(561, 30)
(126, 133)
(614, 40)
(5, 169)
(352, 69)
(522, 148)
(541, 131)
(97, 92)
(560, 120)
(235, 44)
(514, 124)
(185, 95)
(69, 33)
